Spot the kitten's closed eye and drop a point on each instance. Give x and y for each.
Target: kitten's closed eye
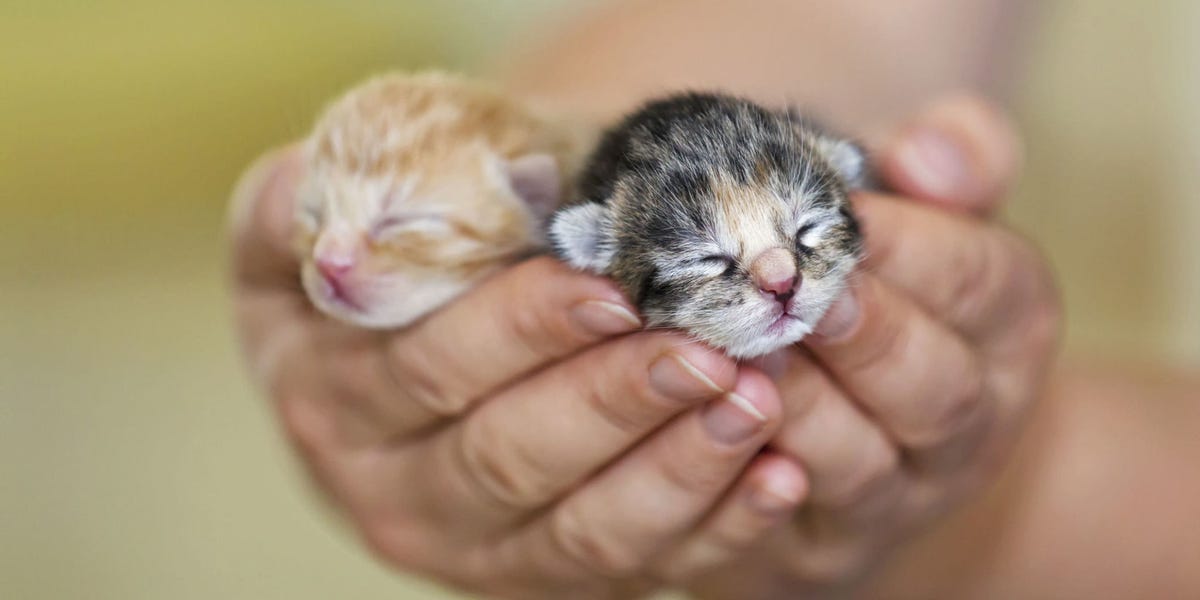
(807, 237)
(744, 249)
(309, 216)
(722, 263)
(716, 259)
(397, 225)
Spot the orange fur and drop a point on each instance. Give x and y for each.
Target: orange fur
(428, 143)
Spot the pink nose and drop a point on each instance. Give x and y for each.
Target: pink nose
(778, 286)
(774, 272)
(334, 269)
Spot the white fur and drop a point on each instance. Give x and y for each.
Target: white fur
(847, 158)
(581, 235)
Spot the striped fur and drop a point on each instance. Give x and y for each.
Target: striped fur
(681, 197)
(410, 178)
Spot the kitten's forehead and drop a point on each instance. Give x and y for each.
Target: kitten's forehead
(358, 199)
(749, 218)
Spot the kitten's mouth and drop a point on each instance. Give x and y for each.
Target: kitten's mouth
(781, 323)
(339, 293)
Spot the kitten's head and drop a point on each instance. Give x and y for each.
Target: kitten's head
(381, 250)
(744, 244)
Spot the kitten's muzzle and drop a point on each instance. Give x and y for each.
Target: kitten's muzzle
(336, 274)
(774, 272)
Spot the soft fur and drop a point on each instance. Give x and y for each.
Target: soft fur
(417, 187)
(686, 196)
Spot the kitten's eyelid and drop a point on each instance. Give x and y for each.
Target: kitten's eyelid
(810, 232)
(708, 265)
(424, 222)
(714, 258)
(310, 215)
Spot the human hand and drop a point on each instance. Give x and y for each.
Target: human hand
(906, 402)
(514, 443)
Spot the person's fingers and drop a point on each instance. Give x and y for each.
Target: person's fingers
(962, 153)
(263, 268)
(534, 441)
(510, 325)
(614, 525)
(767, 494)
(973, 275)
(261, 214)
(920, 381)
(845, 455)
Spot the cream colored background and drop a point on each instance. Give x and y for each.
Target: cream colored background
(135, 461)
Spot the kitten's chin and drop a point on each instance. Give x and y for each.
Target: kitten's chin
(384, 303)
(389, 315)
(780, 333)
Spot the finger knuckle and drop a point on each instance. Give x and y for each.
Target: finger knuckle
(696, 557)
(624, 397)
(414, 373)
(961, 397)
(981, 275)
(891, 337)
(695, 473)
(877, 466)
(728, 541)
(500, 472)
(537, 329)
(594, 552)
(350, 373)
(616, 411)
(829, 565)
(1005, 151)
(1034, 302)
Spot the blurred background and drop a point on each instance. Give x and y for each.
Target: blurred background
(135, 459)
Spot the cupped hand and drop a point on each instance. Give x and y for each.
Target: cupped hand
(521, 442)
(904, 404)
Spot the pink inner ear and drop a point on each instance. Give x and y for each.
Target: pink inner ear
(536, 180)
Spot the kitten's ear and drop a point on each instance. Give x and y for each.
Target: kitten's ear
(846, 157)
(536, 180)
(581, 237)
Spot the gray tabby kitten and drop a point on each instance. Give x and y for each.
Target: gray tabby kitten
(719, 217)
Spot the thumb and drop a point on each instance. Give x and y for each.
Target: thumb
(260, 220)
(962, 153)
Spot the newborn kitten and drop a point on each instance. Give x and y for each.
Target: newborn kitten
(719, 217)
(418, 186)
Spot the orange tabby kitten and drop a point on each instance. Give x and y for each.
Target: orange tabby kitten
(419, 186)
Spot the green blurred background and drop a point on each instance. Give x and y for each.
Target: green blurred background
(135, 460)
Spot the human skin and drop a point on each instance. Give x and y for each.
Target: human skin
(507, 508)
(1052, 525)
(1100, 500)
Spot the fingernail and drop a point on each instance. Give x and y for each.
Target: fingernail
(605, 318)
(775, 496)
(934, 161)
(732, 419)
(672, 375)
(840, 320)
